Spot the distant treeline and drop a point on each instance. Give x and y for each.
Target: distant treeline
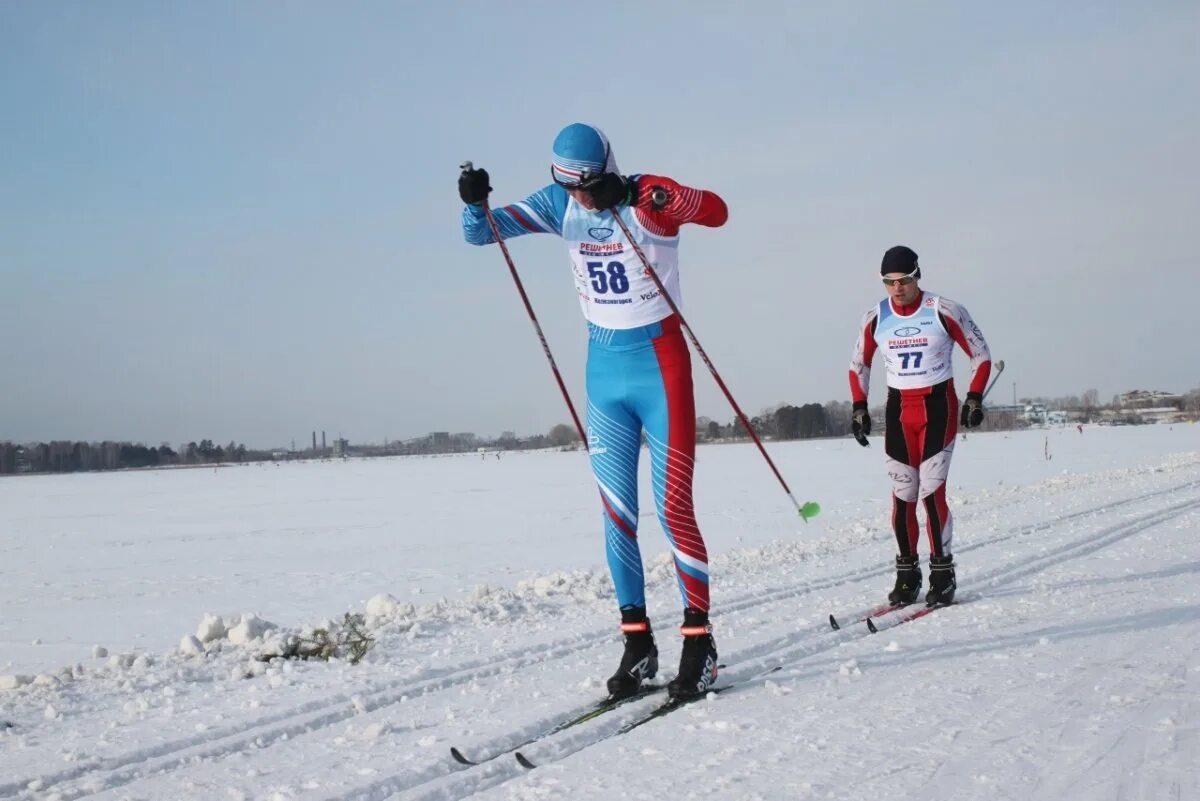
(784, 422)
(781, 422)
(71, 457)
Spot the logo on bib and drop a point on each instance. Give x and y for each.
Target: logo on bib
(600, 234)
(908, 331)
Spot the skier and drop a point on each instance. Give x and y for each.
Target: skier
(639, 375)
(917, 330)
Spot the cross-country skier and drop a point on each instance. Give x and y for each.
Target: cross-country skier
(917, 331)
(639, 375)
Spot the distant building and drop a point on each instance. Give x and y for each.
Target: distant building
(341, 448)
(1161, 414)
(1036, 414)
(1149, 399)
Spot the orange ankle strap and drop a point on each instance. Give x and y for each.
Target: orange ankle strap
(695, 631)
(633, 628)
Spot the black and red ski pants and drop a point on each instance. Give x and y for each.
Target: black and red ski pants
(919, 433)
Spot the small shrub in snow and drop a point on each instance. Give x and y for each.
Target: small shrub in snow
(349, 640)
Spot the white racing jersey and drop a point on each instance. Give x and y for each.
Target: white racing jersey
(917, 347)
(613, 287)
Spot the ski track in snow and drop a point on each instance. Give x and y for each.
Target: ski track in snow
(388, 738)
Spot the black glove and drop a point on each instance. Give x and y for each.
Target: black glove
(473, 186)
(609, 190)
(972, 411)
(860, 423)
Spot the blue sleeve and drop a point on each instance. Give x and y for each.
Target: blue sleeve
(540, 213)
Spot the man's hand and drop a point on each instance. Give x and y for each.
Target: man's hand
(860, 423)
(972, 411)
(609, 190)
(473, 185)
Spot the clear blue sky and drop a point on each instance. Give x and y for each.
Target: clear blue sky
(238, 220)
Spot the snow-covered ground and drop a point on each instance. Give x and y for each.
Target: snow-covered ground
(1071, 669)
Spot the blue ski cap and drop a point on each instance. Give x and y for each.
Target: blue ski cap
(580, 151)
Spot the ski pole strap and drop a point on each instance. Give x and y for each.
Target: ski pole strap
(635, 628)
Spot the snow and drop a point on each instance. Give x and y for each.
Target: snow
(138, 610)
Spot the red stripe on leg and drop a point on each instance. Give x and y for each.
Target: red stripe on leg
(951, 415)
(674, 362)
(618, 521)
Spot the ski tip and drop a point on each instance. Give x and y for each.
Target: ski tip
(524, 762)
(809, 510)
(459, 758)
(871, 626)
(833, 622)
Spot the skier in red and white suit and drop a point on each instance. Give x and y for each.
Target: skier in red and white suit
(917, 331)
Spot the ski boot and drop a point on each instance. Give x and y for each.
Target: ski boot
(908, 580)
(640, 660)
(697, 661)
(941, 581)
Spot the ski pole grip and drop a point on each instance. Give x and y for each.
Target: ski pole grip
(466, 165)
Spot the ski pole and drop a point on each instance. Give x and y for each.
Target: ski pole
(466, 165)
(999, 370)
(809, 508)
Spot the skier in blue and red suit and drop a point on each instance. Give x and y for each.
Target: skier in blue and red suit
(639, 373)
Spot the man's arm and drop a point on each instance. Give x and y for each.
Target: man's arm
(540, 213)
(864, 354)
(663, 205)
(958, 323)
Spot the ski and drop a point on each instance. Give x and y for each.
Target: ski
(916, 614)
(665, 708)
(596, 710)
(863, 617)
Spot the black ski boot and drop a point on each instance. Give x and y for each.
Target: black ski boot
(640, 660)
(698, 660)
(908, 580)
(941, 581)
